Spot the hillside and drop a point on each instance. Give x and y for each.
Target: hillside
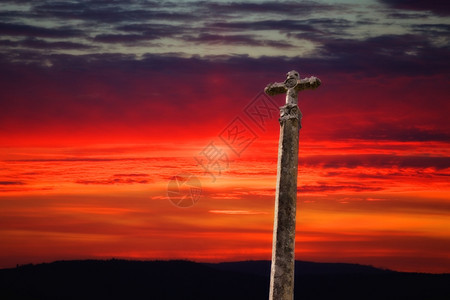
(123, 279)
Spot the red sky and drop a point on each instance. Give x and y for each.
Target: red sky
(100, 106)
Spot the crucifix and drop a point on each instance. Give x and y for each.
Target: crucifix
(283, 247)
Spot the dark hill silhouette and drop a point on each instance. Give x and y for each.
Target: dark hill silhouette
(262, 267)
(123, 279)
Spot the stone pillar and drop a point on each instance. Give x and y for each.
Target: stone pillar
(283, 247)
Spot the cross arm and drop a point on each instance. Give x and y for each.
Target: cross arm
(275, 88)
(308, 83)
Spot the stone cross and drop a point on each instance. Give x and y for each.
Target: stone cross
(283, 247)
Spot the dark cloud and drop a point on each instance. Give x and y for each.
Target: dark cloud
(317, 28)
(438, 7)
(387, 54)
(136, 22)
(407, 16)
(131, 175)
(281, 25)
(98, 12)
(137, 32)
(12, 16)
(8, 43)
(9, 29)
(75, 159)
(11, 183)
(132, 17)
(335, 22)
(238, 39)
(31, 189)
(153, 28)
(336, 188)
(302, 8)
(438, 27)
(396, 133)
(42, 44)
(439, 32)
(109, 181)
(125, 38)
(377, 160)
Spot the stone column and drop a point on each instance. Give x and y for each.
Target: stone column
(283, 247)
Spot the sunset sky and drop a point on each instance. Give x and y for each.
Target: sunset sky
(102, 103)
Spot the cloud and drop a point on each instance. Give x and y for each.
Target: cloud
(111, 13)
(436, 6)
(113, 181)
(128, 96)
(439, 32)
(125, 178)
(286, 25)
(11, 183)
(397, 131)
(387, 54)
(237, 212)
(334, 45)
(145, 27)
(43, 44)
(237, 39)
(25, 189)
(74, 159)
(407, 15)
(303, 8)
(377, 161)
(8, 29)
(131, 175)
(321, 188)
(136, 32)
(125, 38)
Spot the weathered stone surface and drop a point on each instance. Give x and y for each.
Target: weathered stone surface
(283, 247)
(290, 111)
(291, 86)
(283, 259)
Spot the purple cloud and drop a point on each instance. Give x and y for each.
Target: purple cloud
(10, 29)
(438, 7)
